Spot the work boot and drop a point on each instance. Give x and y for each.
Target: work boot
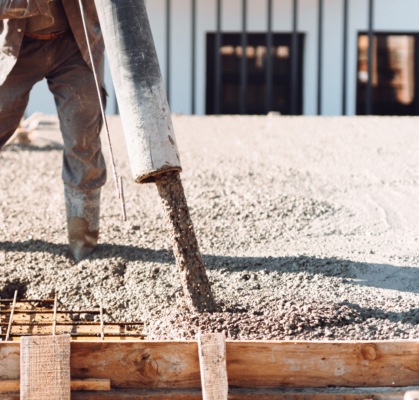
(83, 211)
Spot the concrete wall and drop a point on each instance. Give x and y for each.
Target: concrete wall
(390, 15)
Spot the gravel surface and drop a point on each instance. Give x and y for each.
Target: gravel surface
(307, 226)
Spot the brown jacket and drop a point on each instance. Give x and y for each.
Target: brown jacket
(13, 14)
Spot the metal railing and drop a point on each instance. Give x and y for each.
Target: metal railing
(294, 56)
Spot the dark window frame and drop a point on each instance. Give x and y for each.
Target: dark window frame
(359, 104)
(253, 39)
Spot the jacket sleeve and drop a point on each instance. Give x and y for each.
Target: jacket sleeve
(13, 9)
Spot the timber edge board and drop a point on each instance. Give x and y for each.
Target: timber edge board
(241, 394)
(161, 365)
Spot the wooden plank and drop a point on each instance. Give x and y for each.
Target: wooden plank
(13, 385)
(90, 384)
(168, 364)
(252, 364)
(45, 368)
(320, 364)
(241, 394)
(10, 385)
(135, 365)
(318, 394)
(9, 360)
(212, 361)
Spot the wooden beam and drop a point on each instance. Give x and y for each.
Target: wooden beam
(10, 385)
(241, 394)
(212, 361)
(136, 365)
(13, 385)
(45, 367)
(9, 360)
(323, 363)
(78, 385)
(257, 364)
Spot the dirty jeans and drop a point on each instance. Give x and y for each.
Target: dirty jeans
(72, 83)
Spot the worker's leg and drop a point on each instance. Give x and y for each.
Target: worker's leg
(14, 92)
(72, 83)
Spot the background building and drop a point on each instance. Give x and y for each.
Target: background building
(318, 62)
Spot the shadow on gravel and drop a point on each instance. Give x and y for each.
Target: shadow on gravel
(48, 146)
(9, 285)
(384, 276)
(103, 251)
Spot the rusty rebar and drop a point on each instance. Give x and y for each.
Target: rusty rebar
(54, 322)
(84, 334)
(9, 328)
(72, 323)
(102, 327)
(52, 311)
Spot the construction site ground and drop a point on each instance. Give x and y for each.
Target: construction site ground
(308, 227)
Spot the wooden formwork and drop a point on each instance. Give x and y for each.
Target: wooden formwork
(274, 370)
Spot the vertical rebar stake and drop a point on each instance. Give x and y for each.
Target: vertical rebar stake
(102, 326)
(54, 322)
(11, 316)
(121, 196)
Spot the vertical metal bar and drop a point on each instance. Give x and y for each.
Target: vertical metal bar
(294, 60)
(168, 47)
(193, 56)
(54, 321)
(320, 59)
(244, 59)
(368, 97)
(121, 190)
(345, 56)
(217, 89)
(102, 326)
(9, 328)
(269, 60)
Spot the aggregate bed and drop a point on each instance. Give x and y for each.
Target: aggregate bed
(307, 227)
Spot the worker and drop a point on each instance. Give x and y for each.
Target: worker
(45, 39)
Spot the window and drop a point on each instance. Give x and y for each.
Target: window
(231, 54)
(394, 73)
